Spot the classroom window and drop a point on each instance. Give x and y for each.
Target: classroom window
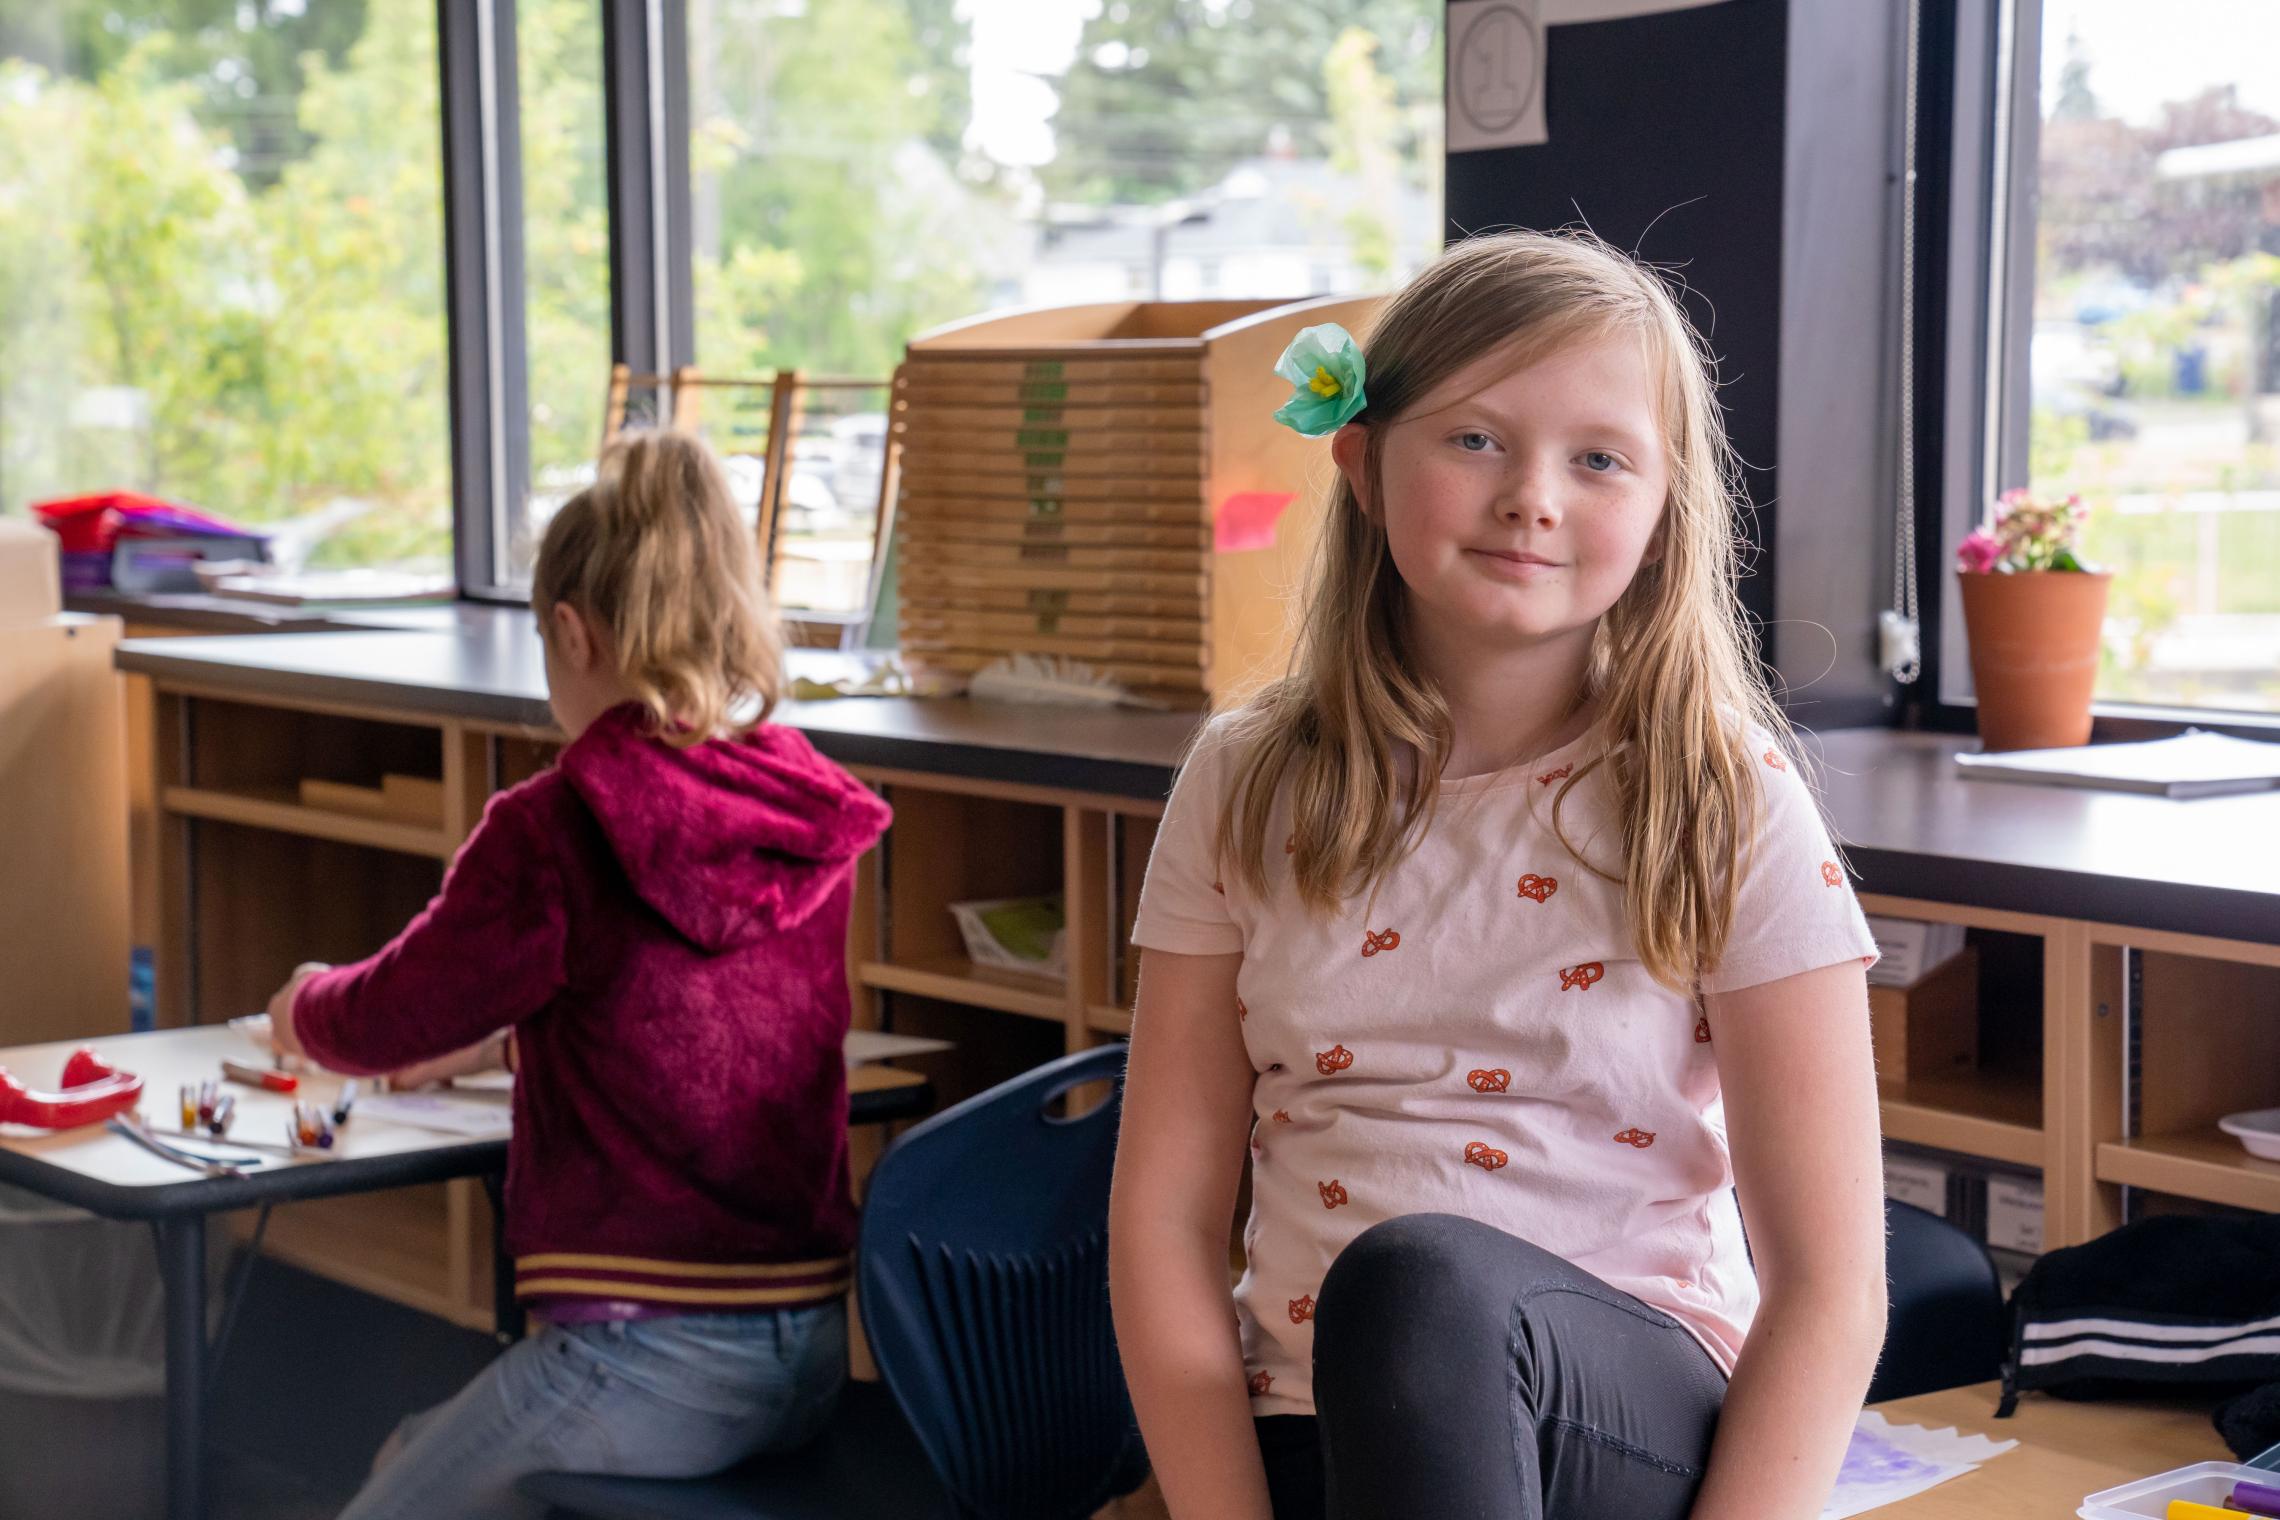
(2152, 379)
(221, 266)
(862, 170)
(565, 259)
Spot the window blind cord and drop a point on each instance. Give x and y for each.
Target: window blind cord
(1900, 628)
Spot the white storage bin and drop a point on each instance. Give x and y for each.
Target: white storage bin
(2148, 1498)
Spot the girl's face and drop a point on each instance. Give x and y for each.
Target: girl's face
(1519, 503)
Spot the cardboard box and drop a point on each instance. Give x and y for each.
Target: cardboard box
(2015, 1214)
(31, 589)
(1911, 1179)
(1930, 1028)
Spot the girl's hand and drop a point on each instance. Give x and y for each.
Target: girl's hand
(283, 1038)
(489, 1055)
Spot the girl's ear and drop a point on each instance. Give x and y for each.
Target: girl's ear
(1349, 450)
(572, 637)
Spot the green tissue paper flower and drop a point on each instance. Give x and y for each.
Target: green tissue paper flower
(1324, 363)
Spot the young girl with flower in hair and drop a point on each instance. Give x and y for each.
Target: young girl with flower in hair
(655, 932)
(1506, 932)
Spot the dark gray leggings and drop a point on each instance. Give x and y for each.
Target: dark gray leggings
(1462, 1372)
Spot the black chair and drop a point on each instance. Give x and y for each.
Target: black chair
(984, 1273)
(1945, 1327)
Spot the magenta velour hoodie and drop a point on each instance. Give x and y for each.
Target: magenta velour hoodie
(666, 931)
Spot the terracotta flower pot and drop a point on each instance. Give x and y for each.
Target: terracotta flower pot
(2034, 638)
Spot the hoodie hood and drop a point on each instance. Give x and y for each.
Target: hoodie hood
(727, 840)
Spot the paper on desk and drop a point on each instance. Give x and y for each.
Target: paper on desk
(477, 1117)
(1887, 1463)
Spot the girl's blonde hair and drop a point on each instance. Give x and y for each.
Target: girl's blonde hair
(1361, 738)
(656, 552)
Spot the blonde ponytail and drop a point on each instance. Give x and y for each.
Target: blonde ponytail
(656, 552)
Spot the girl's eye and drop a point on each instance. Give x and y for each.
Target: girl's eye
(1475, 443)
(1600, 462)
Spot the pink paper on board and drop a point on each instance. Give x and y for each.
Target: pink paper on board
(1246, 520)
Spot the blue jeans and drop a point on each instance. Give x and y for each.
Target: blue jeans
(676, 1397)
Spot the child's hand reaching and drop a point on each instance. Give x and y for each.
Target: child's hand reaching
(489, 1055)
(282, 1036)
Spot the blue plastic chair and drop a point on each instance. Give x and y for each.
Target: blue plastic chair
(984, 1272)
(1945, 1324)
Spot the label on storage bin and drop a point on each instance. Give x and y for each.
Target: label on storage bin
(1922, 1183)
(2015, 1214)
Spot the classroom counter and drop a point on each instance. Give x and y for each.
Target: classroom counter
(1911, 825)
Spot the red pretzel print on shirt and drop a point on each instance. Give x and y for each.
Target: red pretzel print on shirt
(1494, 1079)
(1561, 774)
(1702, 1030)
(1282, 1116)
(1241, 1012)
(1301, 1309)
(1830, 875)
(1261, 1382)
(1773, 758)
(1220, 887)
(1389, 939)
(1640, 1138)
(1290, 845)
(1333, 1193)
(1333, 1061)
(1580, 978)
(1537, 888)
(1485, 1156)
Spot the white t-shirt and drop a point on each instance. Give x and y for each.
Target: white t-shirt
(1485, 1042)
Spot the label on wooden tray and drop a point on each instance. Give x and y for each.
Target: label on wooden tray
(1054, 529)
(1054, 472)
(1058, 393)
(1002, 485)
(1119, 557)
(933, 432)
(1179, 506)
(1163, 630)
(960, 370)
(920, 602)
(1028, 578)
(1153, 423)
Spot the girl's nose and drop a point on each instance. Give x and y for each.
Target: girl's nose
(1530, 498)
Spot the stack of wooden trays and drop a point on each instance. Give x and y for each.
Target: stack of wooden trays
(1063, 479)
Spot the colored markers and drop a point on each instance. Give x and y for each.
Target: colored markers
(310, 1127)
(259, 1076)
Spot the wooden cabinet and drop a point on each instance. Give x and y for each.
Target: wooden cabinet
(63, 816)
(2107, 1055)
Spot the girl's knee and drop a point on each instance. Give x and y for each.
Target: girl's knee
(1403, 1274)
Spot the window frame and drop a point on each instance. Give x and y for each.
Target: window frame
(644, 43)
(1979, 301)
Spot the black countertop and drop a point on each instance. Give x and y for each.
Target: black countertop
(1911, 825)
(489, 670)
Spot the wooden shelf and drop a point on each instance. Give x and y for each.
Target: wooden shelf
(1108, 1019)
(955, 979)
(394, 1245)
(280, 809)
(1989, 1114)
(2207, 1164)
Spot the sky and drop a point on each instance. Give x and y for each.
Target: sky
(2141, 52)
(2145, 52)
(1014, 40)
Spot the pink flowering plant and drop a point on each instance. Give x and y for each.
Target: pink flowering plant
(2030, 532)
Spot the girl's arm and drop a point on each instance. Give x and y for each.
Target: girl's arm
(1801, 1116)
(485, 954)
(1179, 1160)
